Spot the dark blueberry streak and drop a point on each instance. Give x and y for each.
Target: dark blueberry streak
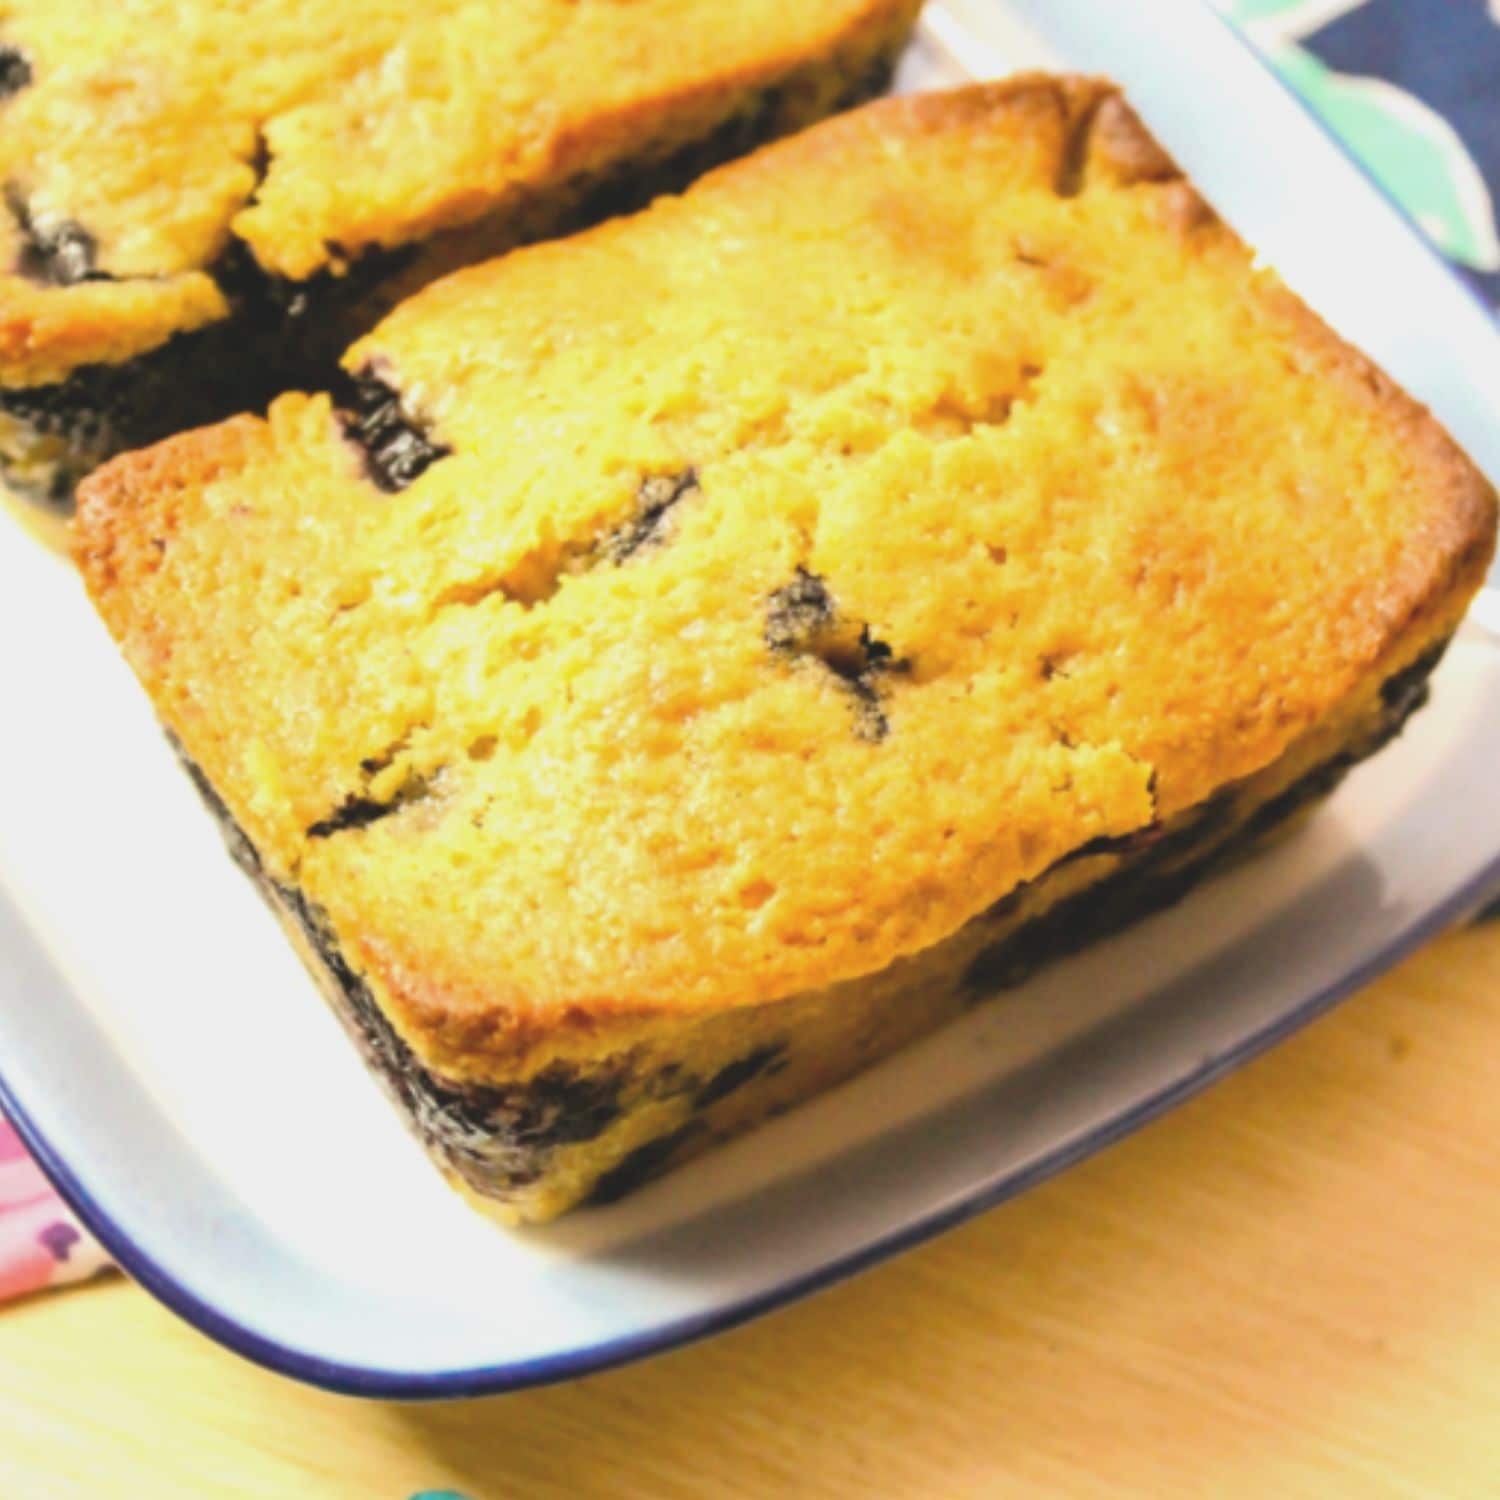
(1411, 681)
(62, 253)
(281, 334)
(15, 72)
(798, 612)
(498, 1139)
(738, 1073)
(396, 446)
(359, 811)
(1166, 866)
(640, 1166)
(802, 619)
(352, 812)
(655, 501)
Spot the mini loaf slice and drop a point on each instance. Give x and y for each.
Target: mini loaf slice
(724, 645)
(203, 203)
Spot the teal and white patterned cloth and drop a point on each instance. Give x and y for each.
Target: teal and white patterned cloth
(1413, 88)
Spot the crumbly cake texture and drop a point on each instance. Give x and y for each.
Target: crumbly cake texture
(201, 202)
(715, 648)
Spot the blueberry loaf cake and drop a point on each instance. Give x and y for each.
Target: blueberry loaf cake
(727, 643)
(203, 204)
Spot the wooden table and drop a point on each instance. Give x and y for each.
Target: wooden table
(1289, 1288)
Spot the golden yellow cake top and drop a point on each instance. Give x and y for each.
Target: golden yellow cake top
(818, 556)
(313, 130)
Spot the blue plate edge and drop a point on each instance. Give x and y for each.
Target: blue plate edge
(375, 1382)
(381, 1383)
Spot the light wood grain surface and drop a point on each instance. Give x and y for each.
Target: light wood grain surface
(1289, 1288)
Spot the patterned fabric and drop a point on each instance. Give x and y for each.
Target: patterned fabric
(1413, 87)
(41, 1243)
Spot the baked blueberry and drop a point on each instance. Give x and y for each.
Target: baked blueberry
(15, 71)
(397, 446)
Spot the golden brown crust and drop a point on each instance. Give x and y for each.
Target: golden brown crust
(125, 521)
(134, 503)
(1131, 517)
(48, 332)
(1446, 560)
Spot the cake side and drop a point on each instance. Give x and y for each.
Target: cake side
(117, 329)
(600, 1116)
(737, 604)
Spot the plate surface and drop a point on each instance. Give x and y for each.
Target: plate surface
(172, 1065)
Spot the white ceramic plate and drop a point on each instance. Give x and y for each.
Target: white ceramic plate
(173, 1067)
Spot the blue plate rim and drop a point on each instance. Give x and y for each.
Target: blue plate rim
(388, 1383)
(393, 1383)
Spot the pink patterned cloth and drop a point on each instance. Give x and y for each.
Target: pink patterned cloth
(41, 1243)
